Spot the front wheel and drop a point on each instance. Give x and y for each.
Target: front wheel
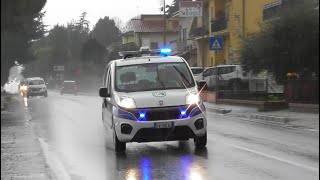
(201, 141)
(46, 94)
(118, 145)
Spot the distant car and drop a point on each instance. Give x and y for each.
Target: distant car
(68, 87)
(36, 86)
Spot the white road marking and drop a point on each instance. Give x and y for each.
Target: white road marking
(314, 169)
(55, 165)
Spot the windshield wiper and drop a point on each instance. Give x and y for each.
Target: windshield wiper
(161, 82)
(182, 75)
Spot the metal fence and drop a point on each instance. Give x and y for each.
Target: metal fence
(252, 89)
(302, 91)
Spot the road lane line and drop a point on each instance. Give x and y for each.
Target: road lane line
(314, 169)
(55, 165)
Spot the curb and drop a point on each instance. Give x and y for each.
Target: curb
(269, 118)
(262, 117)
(219, 110)
(249, 116)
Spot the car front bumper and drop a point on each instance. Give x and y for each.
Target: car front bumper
(37, 93)
(144, 131)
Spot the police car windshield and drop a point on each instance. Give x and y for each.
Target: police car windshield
(155, 76)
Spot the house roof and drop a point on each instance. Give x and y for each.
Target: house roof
(151, 26)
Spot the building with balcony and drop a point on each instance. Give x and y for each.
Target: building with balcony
(186, 45)
(234, 20)
(148, 30)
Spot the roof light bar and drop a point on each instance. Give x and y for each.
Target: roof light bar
(165, 51)
(130, 54)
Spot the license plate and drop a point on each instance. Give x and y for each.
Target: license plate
(163, 125)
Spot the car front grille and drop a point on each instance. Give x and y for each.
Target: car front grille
(163, 134)
(35, 89)
(163, 113)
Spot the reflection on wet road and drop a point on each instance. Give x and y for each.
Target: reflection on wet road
(72, 128)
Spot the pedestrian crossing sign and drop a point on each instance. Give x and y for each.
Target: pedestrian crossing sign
(216, 43)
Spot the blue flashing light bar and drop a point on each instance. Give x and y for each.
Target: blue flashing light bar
(165, 51)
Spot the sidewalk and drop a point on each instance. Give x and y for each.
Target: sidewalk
(299, 119)
(21, 154)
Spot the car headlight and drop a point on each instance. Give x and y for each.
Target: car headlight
(125, 102)
(23, 88)
(192, 98)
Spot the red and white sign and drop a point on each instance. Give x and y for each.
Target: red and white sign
(190, 8)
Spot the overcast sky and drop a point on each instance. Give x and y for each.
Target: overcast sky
(63, 11)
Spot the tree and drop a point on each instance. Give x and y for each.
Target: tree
(113, 51)
(288, 44)
(92, 51)
(83, 23)
(21, 23)
(106, 32)
(119, 24)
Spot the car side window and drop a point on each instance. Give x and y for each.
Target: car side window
(207, 72)
(227, 70)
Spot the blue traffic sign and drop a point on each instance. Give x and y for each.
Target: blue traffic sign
(216, 43)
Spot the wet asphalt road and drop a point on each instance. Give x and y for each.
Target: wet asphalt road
(71, 127)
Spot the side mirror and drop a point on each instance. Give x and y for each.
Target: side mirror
(103, 92)
(202, 86)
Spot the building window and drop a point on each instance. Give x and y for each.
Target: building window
(184, 34)
(212, 62)
(154, 45)
(272, 10)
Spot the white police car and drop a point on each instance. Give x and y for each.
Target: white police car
(152, 98)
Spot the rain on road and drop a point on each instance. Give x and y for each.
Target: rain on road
(76, 146)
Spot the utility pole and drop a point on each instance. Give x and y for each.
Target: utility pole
(203, 33)
(165, 23)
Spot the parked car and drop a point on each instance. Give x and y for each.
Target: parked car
(207, 72)
(69, 87)
(36, 86)
(229, 76)
(196, 71)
